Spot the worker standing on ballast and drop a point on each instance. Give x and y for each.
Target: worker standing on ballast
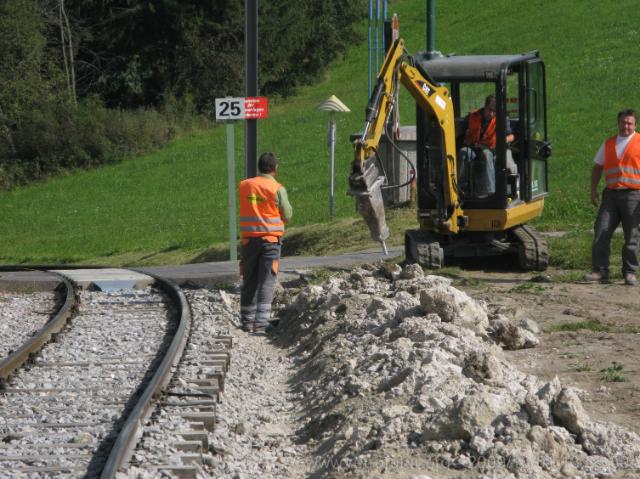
(264, 209)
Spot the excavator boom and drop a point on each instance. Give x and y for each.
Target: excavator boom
(366, 180)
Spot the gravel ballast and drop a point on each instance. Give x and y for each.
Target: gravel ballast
(386, 372)
(22, 316)
(381, 372)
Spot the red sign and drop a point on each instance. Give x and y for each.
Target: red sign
(395, 28)
(256, 107)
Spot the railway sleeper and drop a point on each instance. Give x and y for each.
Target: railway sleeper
(47, 458)
(50, 469)
(208, 419)
(188, 446)
(180, 471)
(201, 436)
(196, 459)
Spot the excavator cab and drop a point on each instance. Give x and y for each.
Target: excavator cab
(497, 197)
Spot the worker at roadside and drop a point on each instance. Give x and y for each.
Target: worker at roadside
(264, 209)
(479, 148)
(619, 159)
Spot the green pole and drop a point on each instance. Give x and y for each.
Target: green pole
(431, 28)
(233, 243)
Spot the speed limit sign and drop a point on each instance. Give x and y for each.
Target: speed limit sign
(230, 109)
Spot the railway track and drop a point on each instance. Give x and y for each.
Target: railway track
(73, 397)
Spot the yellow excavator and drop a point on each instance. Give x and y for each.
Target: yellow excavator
(461, 220)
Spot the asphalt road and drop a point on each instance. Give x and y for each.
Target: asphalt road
(208, 274)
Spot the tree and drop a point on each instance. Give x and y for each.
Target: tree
(23, 66)
(138, 53)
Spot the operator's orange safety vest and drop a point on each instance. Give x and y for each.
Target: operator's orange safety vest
(621, 173)
(472, 136)
(259, 213)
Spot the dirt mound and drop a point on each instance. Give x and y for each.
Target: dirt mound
(402, 374)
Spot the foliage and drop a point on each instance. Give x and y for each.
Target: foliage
(528, 287)
(175, 57)
(26, 79)
(170, 206)
(57, 137)
(43, 129)
(590, 324)
(613, 373)
(583, 368)
(136, 53)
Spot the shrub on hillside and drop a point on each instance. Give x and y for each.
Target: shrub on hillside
(56, 137)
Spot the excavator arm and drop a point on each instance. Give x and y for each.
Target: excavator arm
(365, 180)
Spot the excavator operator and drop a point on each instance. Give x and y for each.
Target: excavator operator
(476, 159)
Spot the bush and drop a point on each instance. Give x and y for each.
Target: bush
(56, 137)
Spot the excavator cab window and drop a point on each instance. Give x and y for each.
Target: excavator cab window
(537, 146)
(480, 168)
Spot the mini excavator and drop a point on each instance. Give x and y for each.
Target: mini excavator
(459, 221)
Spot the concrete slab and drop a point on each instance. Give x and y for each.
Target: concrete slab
(107, 279)
(27, 281)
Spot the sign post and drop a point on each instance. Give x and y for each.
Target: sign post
(231, 180)
(230, 110)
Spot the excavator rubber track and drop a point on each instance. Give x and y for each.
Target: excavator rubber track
(423, 248)
(533, 252)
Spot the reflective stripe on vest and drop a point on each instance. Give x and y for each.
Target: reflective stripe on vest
(620, 173)
(475, 128)
(259, 213)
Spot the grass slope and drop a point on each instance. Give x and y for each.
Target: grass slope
(171, 206)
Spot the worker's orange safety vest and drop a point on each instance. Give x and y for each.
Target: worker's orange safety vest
(620, 173)
(475, 128)
(259, 213)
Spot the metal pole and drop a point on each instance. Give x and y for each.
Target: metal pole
(231, 180)
(251, 84)
(384, 20)
(332, 145)
(377, 33)
(369, 39)
(431, 28)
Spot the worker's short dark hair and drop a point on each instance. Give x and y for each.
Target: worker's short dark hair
(628, 112)
(267, 163)
(489, 99)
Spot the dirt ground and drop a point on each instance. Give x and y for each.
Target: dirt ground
(604, 364)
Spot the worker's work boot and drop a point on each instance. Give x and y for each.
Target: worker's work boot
(596, 277)
(630, 279)
(260, 329)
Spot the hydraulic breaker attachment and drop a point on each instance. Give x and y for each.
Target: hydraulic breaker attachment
(364, 186)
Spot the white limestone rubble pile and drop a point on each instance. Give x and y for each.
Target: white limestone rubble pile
(394, 362)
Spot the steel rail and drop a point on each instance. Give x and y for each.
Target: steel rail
(129, 434)
(17, 358)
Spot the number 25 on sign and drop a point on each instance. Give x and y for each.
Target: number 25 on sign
(230, 109)
(250, 108)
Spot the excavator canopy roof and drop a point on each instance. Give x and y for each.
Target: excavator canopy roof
(470, 67)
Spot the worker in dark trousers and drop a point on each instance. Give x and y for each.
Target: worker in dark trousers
(264, 209)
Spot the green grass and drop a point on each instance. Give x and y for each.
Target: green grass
(171, 206)
(583, 368)
(613, 373)
(591, 325)
(528, 287)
